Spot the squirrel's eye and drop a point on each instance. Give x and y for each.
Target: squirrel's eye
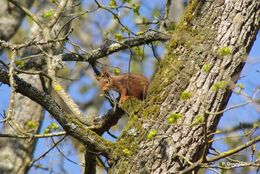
(107, 82)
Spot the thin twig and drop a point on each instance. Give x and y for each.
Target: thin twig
(57, 14)
(12, 85)
(45, 153)
(233, 107)
(28, 13)
(115, 16)
(235, 150)
(62, 154)
(66, 23)
(32, 136)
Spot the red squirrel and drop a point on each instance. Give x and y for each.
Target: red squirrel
(127, 85)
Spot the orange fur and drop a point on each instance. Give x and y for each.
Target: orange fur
(127, 85)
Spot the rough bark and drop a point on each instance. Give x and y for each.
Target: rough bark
(207, 29)
(11, 18)
(17, 153)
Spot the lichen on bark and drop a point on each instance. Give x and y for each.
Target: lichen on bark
(194, 43)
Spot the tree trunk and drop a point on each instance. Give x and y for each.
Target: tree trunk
(205, 57)
(17, 153)
(11, 18)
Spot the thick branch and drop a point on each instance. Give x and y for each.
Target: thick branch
(111, 48)
(208, 28)
(71, 125)
(105, 50)
(108, 120)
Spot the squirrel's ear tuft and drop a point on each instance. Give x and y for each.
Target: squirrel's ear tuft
(106, 74)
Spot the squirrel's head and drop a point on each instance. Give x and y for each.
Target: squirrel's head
(105, 81)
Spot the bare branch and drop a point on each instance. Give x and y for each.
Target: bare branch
(107, 49)
(12, 85)
(235, 150)
(146, 38)
(70, 124)
(58, 13)
(5, 44)
(32, 136)
(233, 107)
(28, 13)
(45, 153)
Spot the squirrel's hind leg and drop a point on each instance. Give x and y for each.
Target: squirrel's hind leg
(123, 98)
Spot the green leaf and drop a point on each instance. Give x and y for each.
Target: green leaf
(185, 95)
(136, 8)
(170, 120)
(116, 71)
(219, 85)
(221, 164)
(38, 166)
(151, 134)
(140, 32)
(224, 51)
(112, 3)
(47, 130)
(118, 37)
(127, 152)
(54, 126)
(123, 30)
(19, 63)
(241, 86)
(256, 125)
(206, 68)
(128, 1)
(258, 155)
(31, 124)
(48, 14)
(174, 117)
(57, 87)
(134, 117)
(199, 119)
(218, 131)
(238, 91)
(139, 52)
